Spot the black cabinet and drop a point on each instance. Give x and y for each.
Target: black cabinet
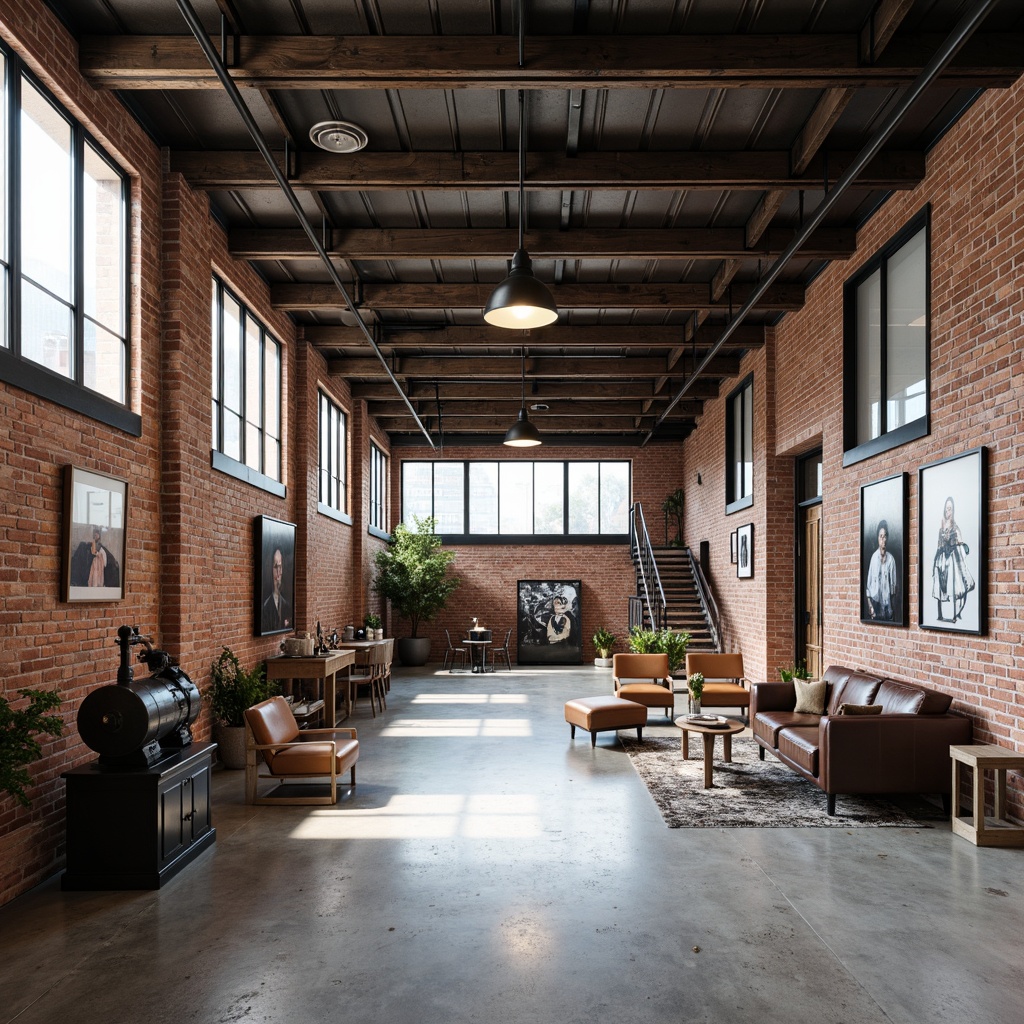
(137, 828)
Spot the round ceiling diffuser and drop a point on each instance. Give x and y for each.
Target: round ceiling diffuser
(338, 136)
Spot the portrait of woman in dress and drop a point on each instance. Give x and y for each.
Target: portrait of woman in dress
(951, 578)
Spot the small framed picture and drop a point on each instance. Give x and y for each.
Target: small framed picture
(883, 551)
(732, 547)
(95, 521)
(274, 549)
(745, 551)
(952, 544)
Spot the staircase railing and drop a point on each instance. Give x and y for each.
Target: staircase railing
(642, 552)
(707, 601)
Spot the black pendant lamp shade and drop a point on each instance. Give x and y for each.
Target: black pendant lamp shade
(522, 433)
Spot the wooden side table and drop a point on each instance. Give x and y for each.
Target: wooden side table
(322, 667)
(708, 734)
(985, 831)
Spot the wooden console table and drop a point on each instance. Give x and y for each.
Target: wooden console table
(985, 831)
(318, 667)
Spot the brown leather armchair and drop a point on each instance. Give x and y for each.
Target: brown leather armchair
(725, 686)
(291, 754)
(644, 679)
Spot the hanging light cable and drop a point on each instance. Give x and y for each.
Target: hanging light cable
(522, 433)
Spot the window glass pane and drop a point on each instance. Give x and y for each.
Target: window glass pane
(232, 317)
(483, 497)
(103, 243)
(215, 389)
(3, 175)
(272, 387)
(869, 354)
(103, 368)
(615, 497)
(46, 330)
(417, 491)
(515, 509)
(747, 449)
(905, 340)
(46, 241)
(449, 487)
(549, 497)
(232, 435)
(583, 498)
(253, 394)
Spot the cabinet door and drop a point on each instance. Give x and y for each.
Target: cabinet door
(200, 792)
(175, 828)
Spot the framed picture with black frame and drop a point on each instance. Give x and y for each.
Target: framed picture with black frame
(548, 614)
(883, 551)
(745, 551)
(952, 543)
(274, 590)
(732, 547)
(94, 528)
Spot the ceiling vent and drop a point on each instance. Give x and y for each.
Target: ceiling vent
(339, 136)
(539, 407)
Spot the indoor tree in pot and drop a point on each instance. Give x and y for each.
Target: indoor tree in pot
(604, 641)
(673, 507)
(413, 574)
(232, 690)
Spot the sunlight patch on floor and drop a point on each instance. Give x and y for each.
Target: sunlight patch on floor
(418, 728)
(470, 698)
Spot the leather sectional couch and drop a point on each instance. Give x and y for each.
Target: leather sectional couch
(904, 749)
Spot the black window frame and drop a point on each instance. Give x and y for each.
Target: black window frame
(19, 370)
(736, 405)
(377, 521)
(336, 505)
(854, 452)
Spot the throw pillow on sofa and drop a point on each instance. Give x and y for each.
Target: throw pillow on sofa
(860, 709)
(810, 697)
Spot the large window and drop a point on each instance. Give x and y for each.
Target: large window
(63, 256)
(246, 391)
(739, 448)
(886, 309)
(333, 463)
(378, 490)
(522, 499)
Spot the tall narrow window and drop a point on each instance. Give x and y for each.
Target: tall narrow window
(886, 347)
(739, 448)
(378, 489)
(333, 450)
(246, 390)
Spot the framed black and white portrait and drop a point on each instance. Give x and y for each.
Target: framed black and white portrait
(274, 549)
(745, 552)
(732, 547)
(883, 551)
(95, 522)
(549, 622)
(953, 563)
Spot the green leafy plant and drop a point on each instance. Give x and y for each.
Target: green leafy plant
(660, 641)
(18, 745)
(373, 621)
(233, 688)
(695, 684)
(798, 671)
(672, 506)
(413, 572)
(604, 641)
(643, 641)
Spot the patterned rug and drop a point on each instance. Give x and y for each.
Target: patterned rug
(750, 793)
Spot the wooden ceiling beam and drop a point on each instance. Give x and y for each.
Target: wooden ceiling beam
(542, 421)
(497, 243)
(509, 406)
(366, 171)
(808, 61)
(540, 390)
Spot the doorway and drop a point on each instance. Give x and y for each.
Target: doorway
(810, 627)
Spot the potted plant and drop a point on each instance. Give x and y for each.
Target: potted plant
(232, 690)
(374, 627)
(695, 685)
(604, 641)
(798, 671)
(674, 645)
(413, 573)
(643, 641)
(672, 506)
(18, 745)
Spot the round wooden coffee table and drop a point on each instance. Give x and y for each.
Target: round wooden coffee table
(709, 733)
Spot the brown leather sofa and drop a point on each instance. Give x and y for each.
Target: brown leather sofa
(905, 749)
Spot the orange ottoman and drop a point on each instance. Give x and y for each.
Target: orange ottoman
(600, 714)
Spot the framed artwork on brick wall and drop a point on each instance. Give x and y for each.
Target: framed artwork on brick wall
(732, 547)
(274, 591)
(883, 551)
(952, 526)
(548, 614)
(95, 525)
(745, 552)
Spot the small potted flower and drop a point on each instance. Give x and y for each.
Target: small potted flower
(604, 641)
(373, 627)
(695, 684)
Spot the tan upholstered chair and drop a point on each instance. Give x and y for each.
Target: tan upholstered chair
(725, 685)
(292, 754)
(644, 679)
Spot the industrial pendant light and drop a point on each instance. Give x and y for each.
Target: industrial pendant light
(521, 301)
(522, 433)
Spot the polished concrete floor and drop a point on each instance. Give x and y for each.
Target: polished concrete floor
(488, 869)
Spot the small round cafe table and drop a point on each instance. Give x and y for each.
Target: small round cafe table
(478, 653)
(708, 733)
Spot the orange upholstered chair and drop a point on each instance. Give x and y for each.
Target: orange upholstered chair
(644, 679)
(725, 685)
(292, 754)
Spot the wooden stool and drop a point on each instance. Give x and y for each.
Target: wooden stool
(599, 714)
(983, 831)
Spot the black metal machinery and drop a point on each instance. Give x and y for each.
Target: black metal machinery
(136, 724)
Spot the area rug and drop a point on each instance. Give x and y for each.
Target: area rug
(750, 793)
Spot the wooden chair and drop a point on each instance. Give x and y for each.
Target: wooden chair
(644, 679)
(452, 654)
(374, 660)
(292, 754)
(389, 657)
(502, 651)
(725, 685)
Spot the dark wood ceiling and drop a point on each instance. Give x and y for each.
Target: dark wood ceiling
(674, 149)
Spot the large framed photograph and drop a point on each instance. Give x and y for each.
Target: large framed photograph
(274, 549)
(549, 622)
(95, 521)
(952, 546)
(745, 552)
(883, 551)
